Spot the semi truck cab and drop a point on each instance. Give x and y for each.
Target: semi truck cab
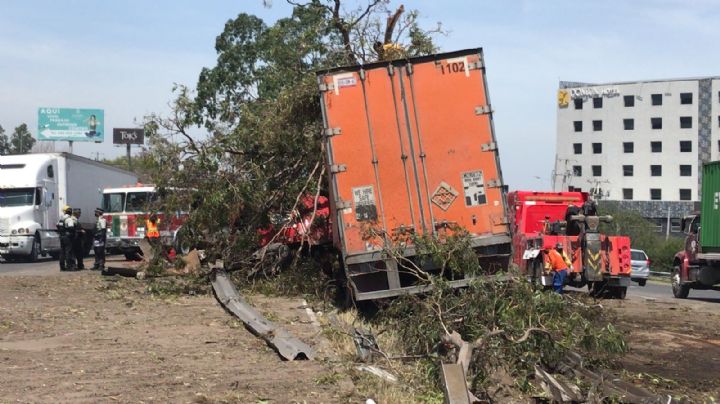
(28, 207)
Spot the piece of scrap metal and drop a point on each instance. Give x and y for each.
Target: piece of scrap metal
(283, 342)
(454, 384)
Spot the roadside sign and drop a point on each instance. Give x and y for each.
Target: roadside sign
(128, 136)
(71, 124)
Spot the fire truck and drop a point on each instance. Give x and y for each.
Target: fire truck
(127, 208)
(541, 220)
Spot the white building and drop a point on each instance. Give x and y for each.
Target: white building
(641, 144)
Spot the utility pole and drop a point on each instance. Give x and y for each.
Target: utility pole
(128, 157)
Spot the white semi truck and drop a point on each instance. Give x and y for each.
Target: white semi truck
(33, 190)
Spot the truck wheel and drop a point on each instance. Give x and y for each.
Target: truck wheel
(620, 292)
(642, 282)
(680, 290)
(34, 251)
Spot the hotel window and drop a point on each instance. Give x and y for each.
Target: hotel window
(685, 194)
(685, 170)
(597, 126)
(656, 147)
(628, 171)
(656, 123)
(597, 148)
(578, 103)
(597, 171)
(629, 100)
(578, 126)
(685, 146)
(577, 148)
(577, 171)
(629, 124)
(628, 194)
(656, 99)
(655, 194)
(628, 147)
(656, 170)
(685, 122)
(686, 98)
(597, 102)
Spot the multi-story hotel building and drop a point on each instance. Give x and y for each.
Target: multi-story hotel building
(639, 144)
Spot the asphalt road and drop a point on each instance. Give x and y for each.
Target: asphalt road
(652, 290)
(43, 266)
(657, 289)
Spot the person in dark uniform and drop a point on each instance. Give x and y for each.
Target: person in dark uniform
(64, 237)
(70, 225)
(99, 238)
(78, 245)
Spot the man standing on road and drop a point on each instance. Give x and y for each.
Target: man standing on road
(559, 266)
(152, 233)
(99, 238)
(67, 226)
(64, 238)
(79, 241)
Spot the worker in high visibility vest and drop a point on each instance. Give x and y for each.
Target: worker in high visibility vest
(151, 227)
(152, 233)
(559, 263)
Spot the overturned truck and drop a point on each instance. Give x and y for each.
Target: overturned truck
(411, 151)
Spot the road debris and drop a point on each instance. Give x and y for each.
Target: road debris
(383, 374)
(454, 384)
(289, 347)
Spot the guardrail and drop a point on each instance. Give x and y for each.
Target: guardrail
(661, 274)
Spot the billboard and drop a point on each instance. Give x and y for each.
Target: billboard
(71, 124)
(128, 136)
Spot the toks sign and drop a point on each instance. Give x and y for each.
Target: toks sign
(128, 136)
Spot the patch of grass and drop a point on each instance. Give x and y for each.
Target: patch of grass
(168, 286)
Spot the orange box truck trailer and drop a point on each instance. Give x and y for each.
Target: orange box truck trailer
(411, 149)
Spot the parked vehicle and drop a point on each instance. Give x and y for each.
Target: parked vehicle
(127, 208)
(640, 266)
(540, 220)
(411, 150)
(33, 190)
(698, 265)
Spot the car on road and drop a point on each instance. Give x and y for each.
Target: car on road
(640, 264)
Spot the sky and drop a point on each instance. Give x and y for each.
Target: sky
(124, 56)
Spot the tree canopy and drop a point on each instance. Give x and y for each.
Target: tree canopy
(20, 142)
(247, 140)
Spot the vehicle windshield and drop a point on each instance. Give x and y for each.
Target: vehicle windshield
(638, 256)
(139, 201)
(113, 203)
(16, 197)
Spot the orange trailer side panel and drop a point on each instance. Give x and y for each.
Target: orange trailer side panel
(411, 148)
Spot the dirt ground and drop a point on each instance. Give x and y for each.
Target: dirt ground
(674, 345)
(79, 337)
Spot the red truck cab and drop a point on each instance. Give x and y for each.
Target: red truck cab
(540, 220)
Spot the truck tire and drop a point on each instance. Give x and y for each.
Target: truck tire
(620, 292)
(680, 290)
(35, 250)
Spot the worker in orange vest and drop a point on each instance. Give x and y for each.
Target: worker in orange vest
(152, 233)
(558, 263)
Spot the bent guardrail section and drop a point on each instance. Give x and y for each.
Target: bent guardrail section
(289, 347)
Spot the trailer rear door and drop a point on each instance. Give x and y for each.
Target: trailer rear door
(411, 148)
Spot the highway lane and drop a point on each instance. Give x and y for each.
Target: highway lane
(44, 266)
(662, 290)
(652, 290)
